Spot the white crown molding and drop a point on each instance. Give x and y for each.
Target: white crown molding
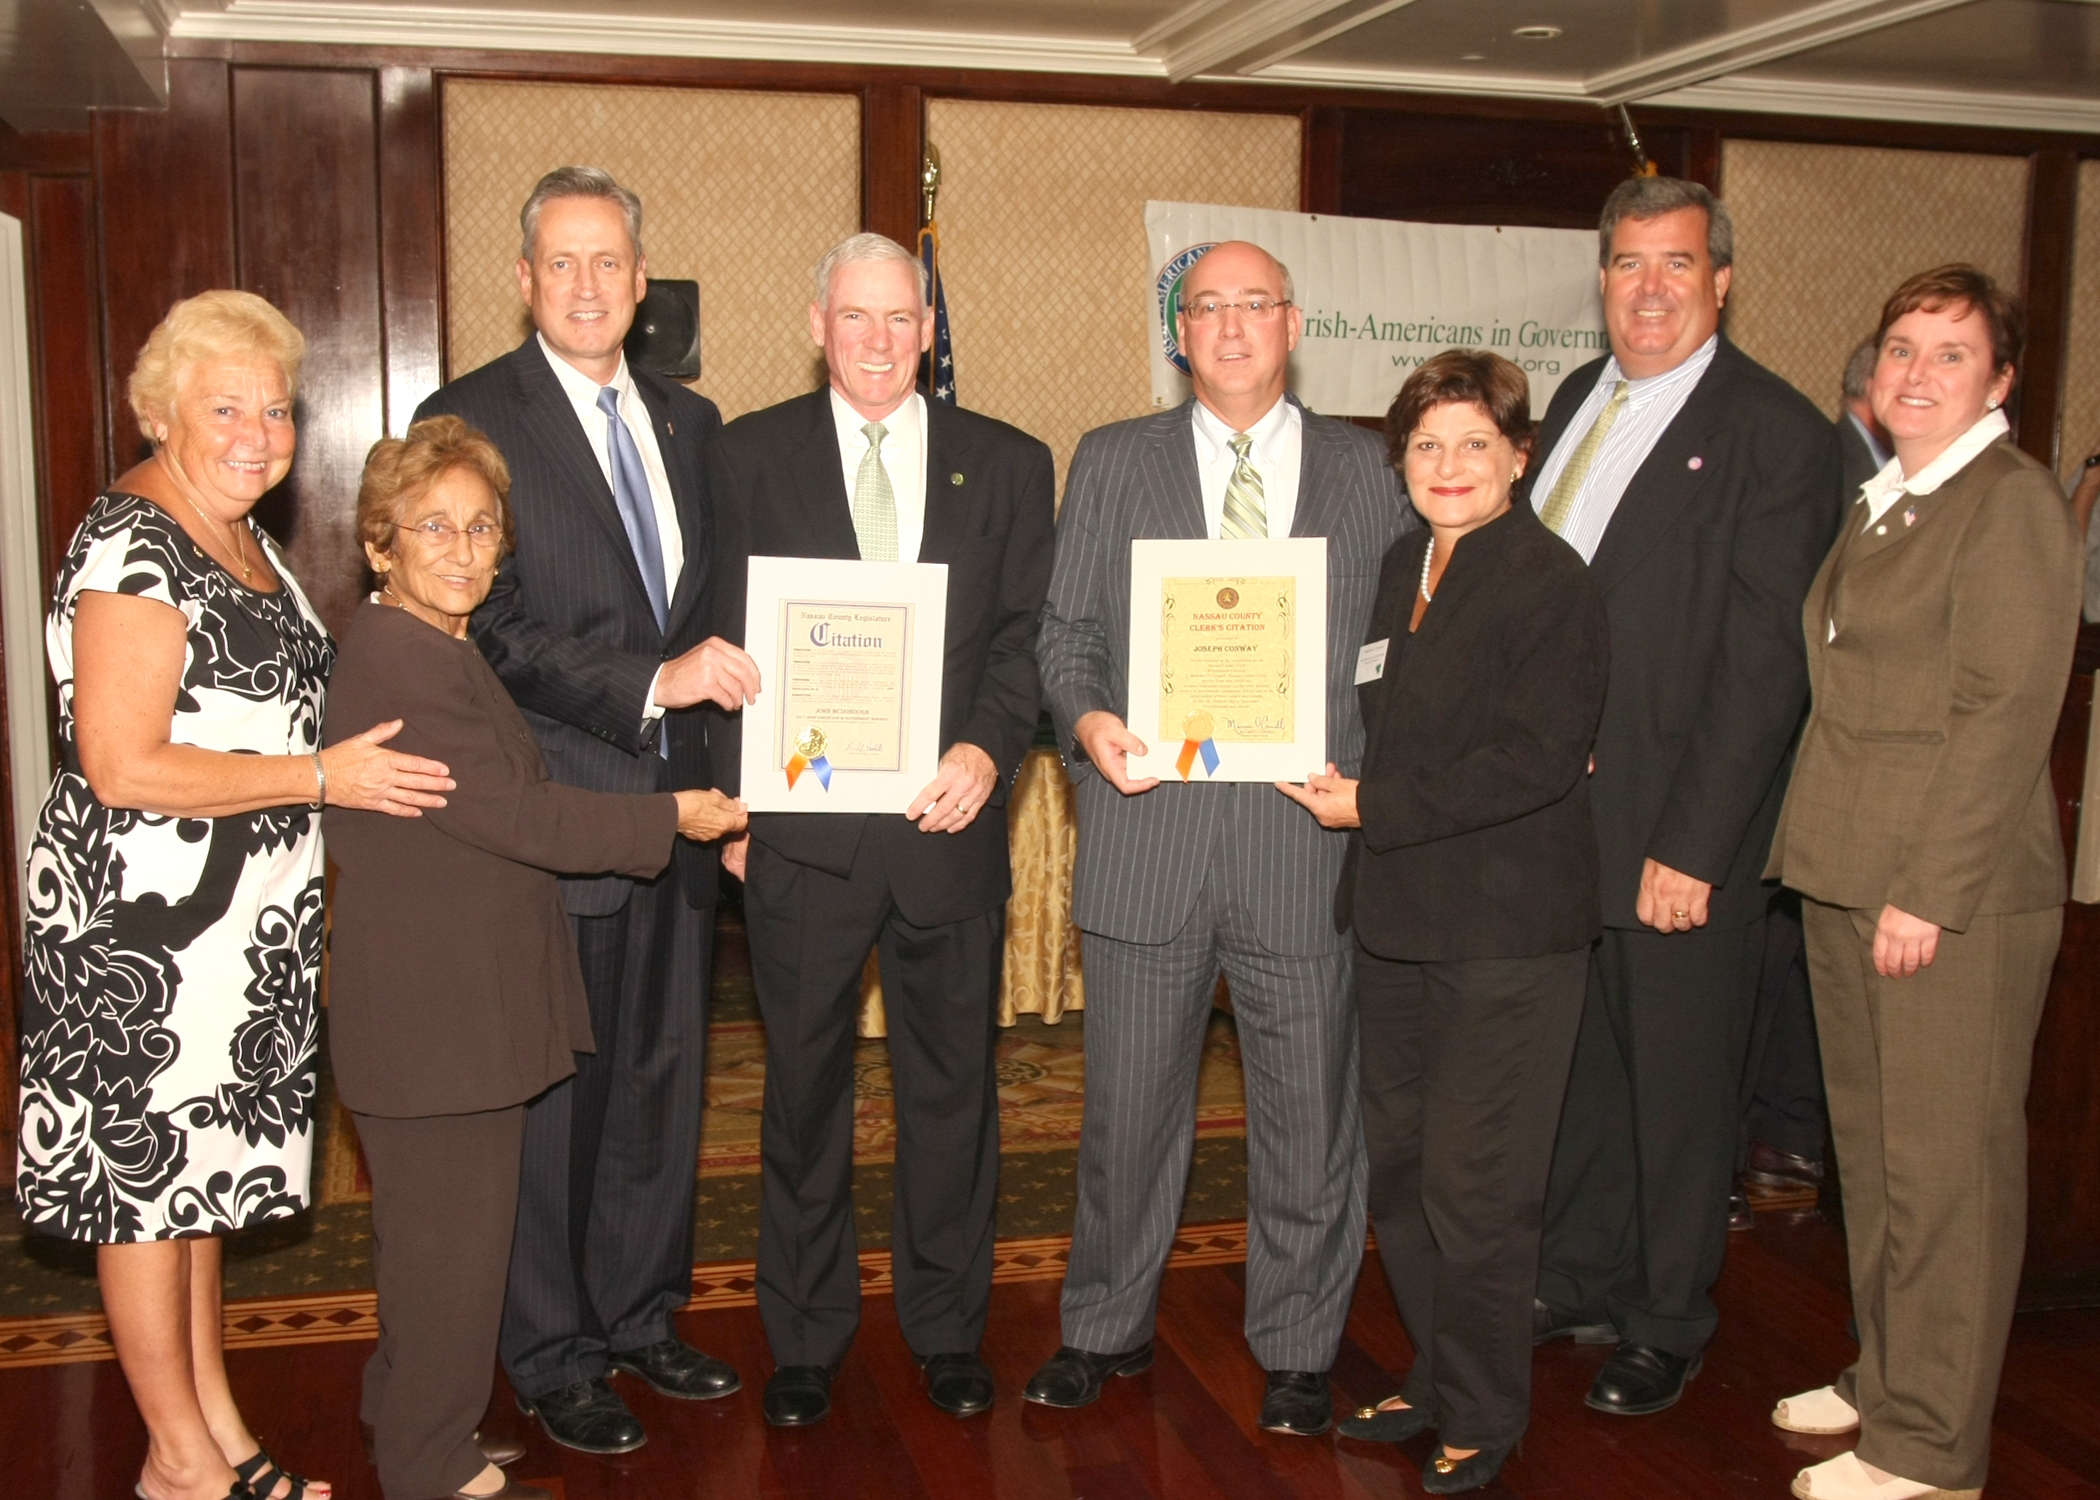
(1241, 36)
(323, 22)
(1427, 81)
(1881, 101)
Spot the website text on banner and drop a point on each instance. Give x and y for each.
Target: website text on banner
(1379, 297)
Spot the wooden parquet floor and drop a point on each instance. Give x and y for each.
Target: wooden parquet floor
(1186, 1429)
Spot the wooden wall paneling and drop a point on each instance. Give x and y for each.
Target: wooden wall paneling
(411, 241)
(164, 223)
(72, 441)
(2052, 227)
(2063, 1096)
(1320, 175)
(316, 255)
(893, 143)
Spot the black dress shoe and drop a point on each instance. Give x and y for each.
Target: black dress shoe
(798, 1396)
(1549, 1323)
(1297, 1403)
(1450, 1476)
(1741, 1215)
(1073, 1377)
(1373, 1424)
(675, 1368)
(958, 1384)
(1640, 1379)
(588, 1416)
(1772, 1168)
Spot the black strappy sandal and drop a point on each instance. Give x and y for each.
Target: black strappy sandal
(261, 1474)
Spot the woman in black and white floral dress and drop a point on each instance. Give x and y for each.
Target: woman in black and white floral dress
(174, 888)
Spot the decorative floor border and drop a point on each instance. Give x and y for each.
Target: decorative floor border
(337, 1317)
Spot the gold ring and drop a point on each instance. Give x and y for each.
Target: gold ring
(1680, 913)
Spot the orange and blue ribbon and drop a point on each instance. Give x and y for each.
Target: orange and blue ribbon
(1190, 749)
(797, 765)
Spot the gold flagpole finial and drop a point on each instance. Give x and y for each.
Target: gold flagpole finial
(930, 179)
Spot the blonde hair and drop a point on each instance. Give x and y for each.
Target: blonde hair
(401, 471)
(210, 325)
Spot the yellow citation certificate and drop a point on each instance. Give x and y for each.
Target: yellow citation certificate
(845, 684)
(1228, 651)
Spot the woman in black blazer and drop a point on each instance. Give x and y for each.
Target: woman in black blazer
(1472, 887)
(454, 989)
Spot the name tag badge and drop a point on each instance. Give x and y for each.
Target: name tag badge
(1370, 662)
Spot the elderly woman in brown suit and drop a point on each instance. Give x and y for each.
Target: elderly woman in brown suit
(455, 993)
(1921, 828)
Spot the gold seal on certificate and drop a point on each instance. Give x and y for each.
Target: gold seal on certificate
(846, 667)
(1228, 651)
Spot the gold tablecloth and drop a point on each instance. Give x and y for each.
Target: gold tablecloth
(1042, 946)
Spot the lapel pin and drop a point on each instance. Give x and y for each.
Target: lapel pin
(1695, 462)
(1910, 515)
(955, 479)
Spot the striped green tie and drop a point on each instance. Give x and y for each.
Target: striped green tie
(1246, 512)
(874, 502)
(1569, 485)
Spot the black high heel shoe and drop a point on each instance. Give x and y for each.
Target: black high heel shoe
(1378, 1424)
(1450, 1476)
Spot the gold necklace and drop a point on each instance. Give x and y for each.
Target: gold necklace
(240, 553)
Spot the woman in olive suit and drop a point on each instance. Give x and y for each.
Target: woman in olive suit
(454, 989)
(1921, 829)
(1472, 887)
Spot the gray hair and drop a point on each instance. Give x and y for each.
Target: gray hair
(1859, 369)
(857, 249)
(578, 182)
(1650, 198)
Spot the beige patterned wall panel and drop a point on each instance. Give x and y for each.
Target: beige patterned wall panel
(741, 192)
(2081, 429)
(1042, 214)
(1825, 233)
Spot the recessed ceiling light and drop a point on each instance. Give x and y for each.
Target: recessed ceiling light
(1472, 57)
(1536, 33)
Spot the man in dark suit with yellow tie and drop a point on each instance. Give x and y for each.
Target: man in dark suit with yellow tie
(868, 468)
(1702, 490)
(595, 625)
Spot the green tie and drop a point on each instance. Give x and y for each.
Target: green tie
(874, 502)
(1246, 512)
(1565, 489)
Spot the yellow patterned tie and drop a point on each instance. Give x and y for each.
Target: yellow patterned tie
(1246, 511)
(874, 502)
(1569, 485)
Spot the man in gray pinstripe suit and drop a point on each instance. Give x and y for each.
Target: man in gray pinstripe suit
(1173, 883)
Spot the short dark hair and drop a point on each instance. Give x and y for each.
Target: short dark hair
(1474, 376)
(1961, 285)
(1651, 198)
(401, 471)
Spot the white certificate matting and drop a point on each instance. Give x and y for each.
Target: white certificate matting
(1228, 659)
(848, 717)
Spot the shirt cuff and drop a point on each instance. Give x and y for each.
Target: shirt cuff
(652, 709)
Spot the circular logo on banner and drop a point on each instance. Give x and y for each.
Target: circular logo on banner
(1169, 288)
(1227, 598)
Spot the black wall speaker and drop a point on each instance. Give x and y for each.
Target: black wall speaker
(665, 339)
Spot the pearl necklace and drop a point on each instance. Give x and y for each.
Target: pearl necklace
(1428, 555)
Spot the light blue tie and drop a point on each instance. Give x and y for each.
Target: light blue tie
(630, 487)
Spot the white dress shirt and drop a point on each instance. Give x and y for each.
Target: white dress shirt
(1279, 442)
(582, 392)
(1651, 406)
(1886, 487)
(903, 459)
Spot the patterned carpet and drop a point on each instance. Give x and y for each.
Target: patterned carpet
(1041, 1074)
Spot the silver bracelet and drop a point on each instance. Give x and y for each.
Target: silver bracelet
(320, 783)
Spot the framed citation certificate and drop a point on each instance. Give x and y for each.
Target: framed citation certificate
(1228, 659)
(848, 717)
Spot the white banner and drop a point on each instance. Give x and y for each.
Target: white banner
(1379, 297)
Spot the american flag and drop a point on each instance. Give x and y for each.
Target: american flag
(938, 370)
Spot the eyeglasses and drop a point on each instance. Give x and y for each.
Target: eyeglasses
(437, 535)
(1253, 309)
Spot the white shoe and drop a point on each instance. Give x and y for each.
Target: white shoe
(1846, 1478)
(1821, 1411)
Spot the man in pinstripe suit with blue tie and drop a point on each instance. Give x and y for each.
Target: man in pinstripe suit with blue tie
(1174, 883)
